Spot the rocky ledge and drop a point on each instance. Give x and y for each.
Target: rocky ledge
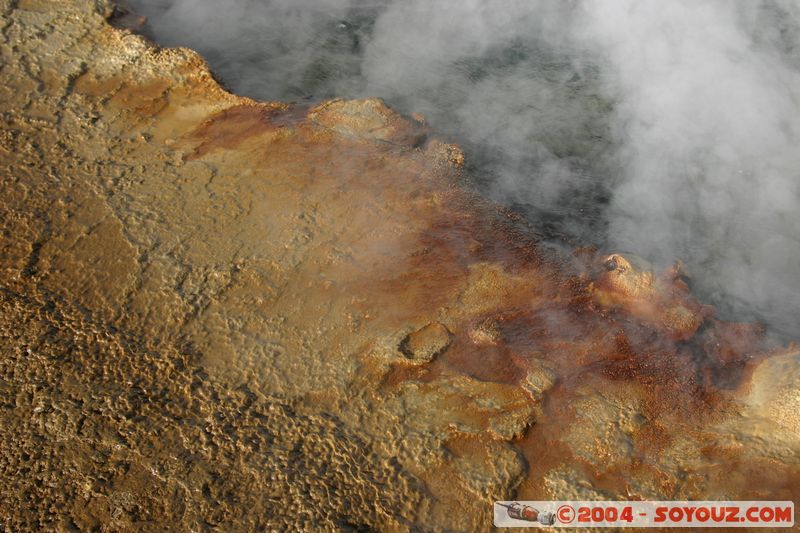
(222, 314)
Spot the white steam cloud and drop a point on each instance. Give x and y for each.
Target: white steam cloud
(666, 128)
(707, 117)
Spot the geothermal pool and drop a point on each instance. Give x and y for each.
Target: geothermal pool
(667, 131)
(409, 259)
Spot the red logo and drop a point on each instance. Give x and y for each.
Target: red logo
(566, 514)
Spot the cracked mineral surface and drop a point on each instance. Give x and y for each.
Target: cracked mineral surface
(223, 314)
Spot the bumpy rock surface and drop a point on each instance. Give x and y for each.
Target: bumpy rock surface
(208, 305)
(426, 343)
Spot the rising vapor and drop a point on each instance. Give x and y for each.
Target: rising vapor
(665, 128)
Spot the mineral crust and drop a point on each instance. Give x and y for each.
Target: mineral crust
(223, 314)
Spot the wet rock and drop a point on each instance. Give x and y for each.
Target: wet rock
(539, 379)
(567, 483)
(770, 420)
(426, 343)
(367, 119)
(487, 331)
(124, 17)
(468, 406)
(604, 427)
(490, 289)
(775, 395)
(489, 466)
(445, 154)
(664, 302)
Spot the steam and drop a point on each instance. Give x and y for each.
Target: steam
(707, 119)
(665, 128)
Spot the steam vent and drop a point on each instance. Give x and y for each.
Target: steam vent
(222, 314)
